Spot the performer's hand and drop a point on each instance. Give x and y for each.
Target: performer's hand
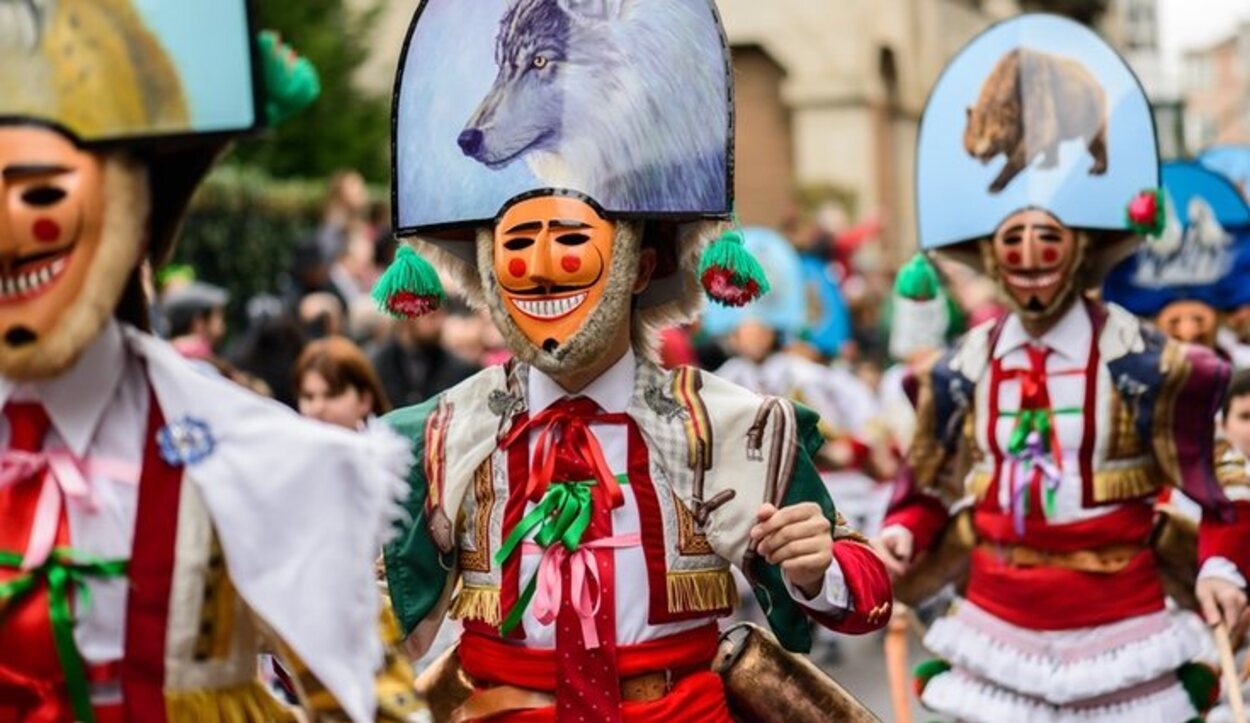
(894, 546)
(1222, 601)
(799, 539)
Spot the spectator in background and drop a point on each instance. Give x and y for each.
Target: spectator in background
(346, 206)
(321, 314)
(337, 385)
(464, 333)
(196, 316)
(270, 346)
(413, 364)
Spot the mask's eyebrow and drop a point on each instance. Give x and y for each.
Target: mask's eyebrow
(527, 226)
(20, 172)
(565, 224)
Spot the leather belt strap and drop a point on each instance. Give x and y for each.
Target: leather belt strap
(492, 701)
(1109, 559)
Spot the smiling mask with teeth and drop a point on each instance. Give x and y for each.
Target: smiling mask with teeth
(1036, 262)
(72, 227)
(559, 279)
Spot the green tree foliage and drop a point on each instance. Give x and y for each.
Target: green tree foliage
(346, 127)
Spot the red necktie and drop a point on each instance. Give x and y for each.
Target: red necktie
(27, 650)
(588, 686)
(1035, 395)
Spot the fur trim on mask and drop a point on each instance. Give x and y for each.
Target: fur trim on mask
(667, 302)
(1083, 277)
(459, 276)
(595, 334)
(658, 312)
(122, 239)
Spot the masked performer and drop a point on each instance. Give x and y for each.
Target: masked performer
(154, 519)
(1052, 431)
(1194, 272)
(579, 509)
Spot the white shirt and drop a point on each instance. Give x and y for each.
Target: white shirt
(612, 391)
(1070, 343)
(99, 409)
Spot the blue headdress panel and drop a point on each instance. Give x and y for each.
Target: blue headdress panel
(628, 102)
(785, 307)
(121, 71)
(1037, 111)
(1203, 253)
(1231, 161)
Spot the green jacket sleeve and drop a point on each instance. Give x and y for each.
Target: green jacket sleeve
(416, 570)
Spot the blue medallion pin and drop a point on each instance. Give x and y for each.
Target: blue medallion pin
(185, 442)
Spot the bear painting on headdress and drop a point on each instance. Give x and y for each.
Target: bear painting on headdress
(72, 51)
(1030, 103)
(563, 68)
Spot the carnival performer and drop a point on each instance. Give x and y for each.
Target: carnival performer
(1042, 440)
(1193, 275)
(579, 509)
(154, 519)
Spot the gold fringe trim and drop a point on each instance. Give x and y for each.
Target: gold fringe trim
(1126, 483)
(477, 603)
(701, 591)
(979, 484)
(246, 703)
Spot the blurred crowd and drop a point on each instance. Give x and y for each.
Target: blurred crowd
(318, 343)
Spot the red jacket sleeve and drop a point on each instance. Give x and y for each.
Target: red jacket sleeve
(1230, 540)
(871, 595)
(923, 515)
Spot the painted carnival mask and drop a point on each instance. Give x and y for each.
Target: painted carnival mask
(1035, 258)
(66, 246)
(552, 255)
(1193, 322)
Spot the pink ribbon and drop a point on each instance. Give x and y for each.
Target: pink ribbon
(67, 477)
(583, 571)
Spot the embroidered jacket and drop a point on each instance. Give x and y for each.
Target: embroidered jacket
(708, 455)
(232, 501)
(1137, 414)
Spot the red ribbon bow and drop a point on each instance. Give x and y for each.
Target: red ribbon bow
(564, 430)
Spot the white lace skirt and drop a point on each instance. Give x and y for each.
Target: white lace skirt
(1125, 671)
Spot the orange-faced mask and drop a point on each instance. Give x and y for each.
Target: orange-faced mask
(1193, 322)
(50, 222)
(71, 232)
(552, 255)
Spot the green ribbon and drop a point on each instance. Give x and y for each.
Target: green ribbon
(562, 516)
(1027, 422)
(63, 568)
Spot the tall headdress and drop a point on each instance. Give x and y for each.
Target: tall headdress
(625, 103)
(1202, 253)
(1036, 112)
(172, 83)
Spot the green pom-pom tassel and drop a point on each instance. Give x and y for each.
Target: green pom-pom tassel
(918, 280)
(410, 287)
(291, 81)
(730, 274)
(1147, 213)
(926, 671)
(1201, 683)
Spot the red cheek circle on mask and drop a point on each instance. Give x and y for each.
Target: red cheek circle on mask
(1014, 258)
(570, 264)
(46, 230)
(517, 268)
(1050, 256)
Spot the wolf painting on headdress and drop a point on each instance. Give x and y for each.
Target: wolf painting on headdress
(563, 67)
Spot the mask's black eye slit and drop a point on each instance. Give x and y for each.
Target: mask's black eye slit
(43, 196)
(572, 239)
(518, 244)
